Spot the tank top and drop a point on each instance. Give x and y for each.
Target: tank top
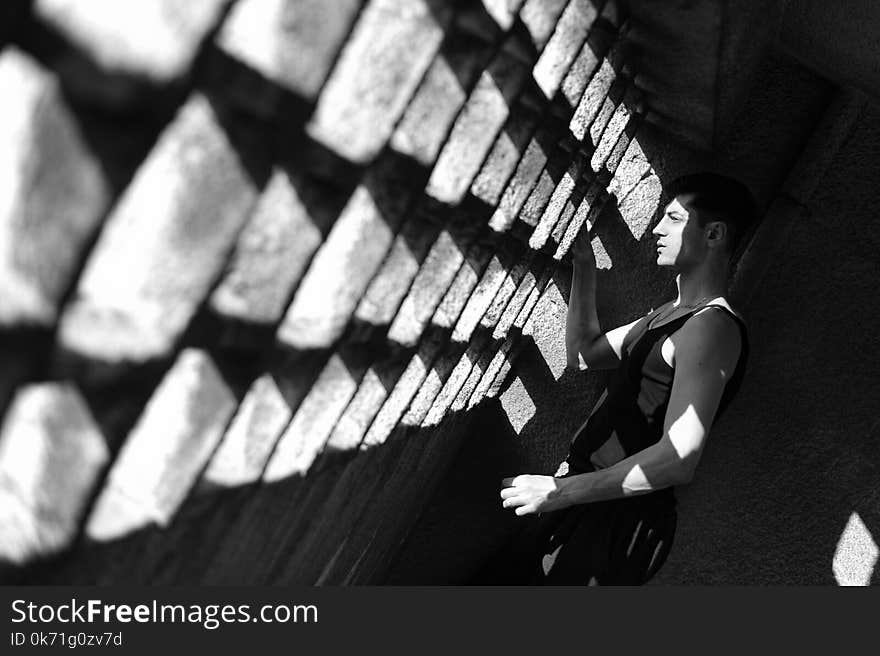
(634, 404)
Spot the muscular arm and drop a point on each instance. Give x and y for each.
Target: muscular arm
(706, 351)
(586, 347)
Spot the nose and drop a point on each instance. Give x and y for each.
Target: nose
(658, 229)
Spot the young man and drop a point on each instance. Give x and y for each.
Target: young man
(608, 516)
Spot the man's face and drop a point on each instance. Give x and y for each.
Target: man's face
(681, 241)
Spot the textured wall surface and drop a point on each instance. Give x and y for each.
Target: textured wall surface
(283, 282)
(789, 491)
(264, 257)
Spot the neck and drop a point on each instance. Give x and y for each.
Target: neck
(701, 284)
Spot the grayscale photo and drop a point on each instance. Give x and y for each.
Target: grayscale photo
(439, 293)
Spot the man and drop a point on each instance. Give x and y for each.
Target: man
(608, 516)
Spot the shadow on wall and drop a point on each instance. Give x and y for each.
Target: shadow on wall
(528, 428)
(789, 488)
(337, 525)
(787, 491)
(377, 276)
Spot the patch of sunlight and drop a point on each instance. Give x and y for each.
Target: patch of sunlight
(856, 554)
(518, 405)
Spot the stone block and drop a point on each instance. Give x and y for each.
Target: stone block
(242, 455)
(504, 367)
(438, 374)
(615, 157)
(391, 47)
(293, 43)
(166, 451)
(468, 389)
(425, 125)
(54, 193)
(377, 383)
(540, 18)
(163, 246)
(344, 265)
(481, 299)
(403, 393)
(566, 215)
(515, 305)
(564, 45)
(535, 205)
(632, 168)
(51, 457)
(506, 152)
(593, 202)
(545, 324)
(459, 291)
(639, 208)
(561, 194)
(531, 300)
(273, 250)
(594, 96)
(524, 179)
(451, 388)
(153, 39)
(594, 49)
(310, 427)
(487, 387)
(388, 288)
(506, 291)
(428, 289)
(603, 117)
(617, 123)
(475, 130)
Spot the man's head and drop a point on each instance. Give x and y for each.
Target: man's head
(707, 218)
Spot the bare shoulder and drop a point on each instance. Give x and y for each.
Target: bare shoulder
(712, 335)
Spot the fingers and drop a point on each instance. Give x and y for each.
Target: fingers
(522, 479)
(518, 494)
(512, 502)
(522, 505)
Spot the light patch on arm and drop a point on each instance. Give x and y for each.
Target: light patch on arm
(617, 337)
(667, 352)
(636, 481)
(686, 433)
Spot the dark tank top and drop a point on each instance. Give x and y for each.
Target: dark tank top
(638, 392)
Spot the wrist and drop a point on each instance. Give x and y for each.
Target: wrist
(564, 492)
(575, 489)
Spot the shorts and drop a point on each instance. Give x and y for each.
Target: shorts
(616, 542)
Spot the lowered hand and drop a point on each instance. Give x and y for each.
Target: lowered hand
(530, 493)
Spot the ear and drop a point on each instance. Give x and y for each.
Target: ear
(716, 233)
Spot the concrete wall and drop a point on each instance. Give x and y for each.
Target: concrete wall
(529, 429)
(788, 491)
(270, 285)
(837, 39)
(267, 256)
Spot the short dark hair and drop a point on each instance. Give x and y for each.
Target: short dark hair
(718, 197)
